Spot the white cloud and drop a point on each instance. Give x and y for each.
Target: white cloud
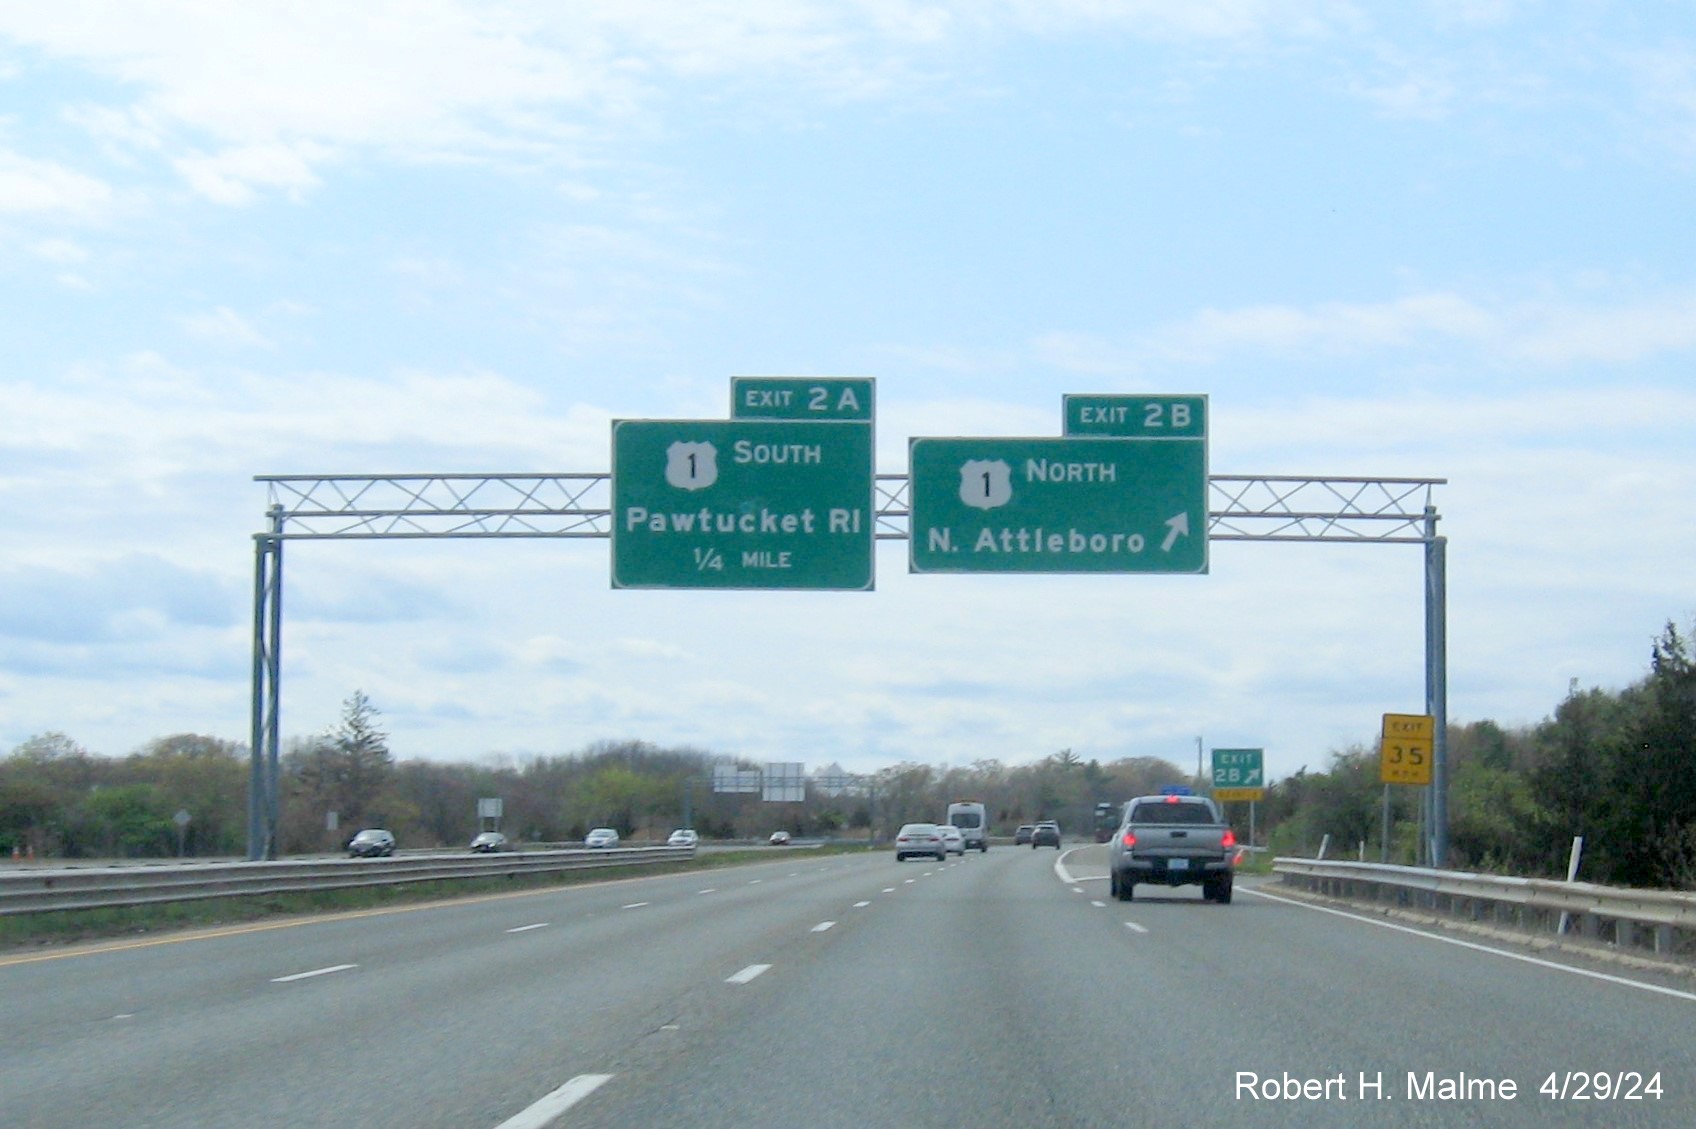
(1547, 332)
(29, 185)
(147, 417)
(1666, 82)
(253, 97)
(60, 252)
(225, 327)
(234, 176)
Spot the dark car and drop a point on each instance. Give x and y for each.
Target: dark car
(489, 842)
(1045, 835)
(373, 842)
(1022, 834)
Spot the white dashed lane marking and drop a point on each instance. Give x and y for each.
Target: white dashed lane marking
(314, 972)
(746, 974)
(547, 1109)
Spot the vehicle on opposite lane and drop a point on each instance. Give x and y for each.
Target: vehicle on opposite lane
(779, 839)
(373, 842)
(601, 837)
(488, 842)
(683, 837)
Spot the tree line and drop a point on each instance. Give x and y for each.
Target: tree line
(1616, 767)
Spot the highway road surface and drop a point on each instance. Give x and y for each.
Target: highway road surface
(1001, 990)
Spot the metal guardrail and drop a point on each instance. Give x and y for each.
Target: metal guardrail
(1662, 921)
(43, 891)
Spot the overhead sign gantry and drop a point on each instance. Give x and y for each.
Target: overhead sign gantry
(766, 481)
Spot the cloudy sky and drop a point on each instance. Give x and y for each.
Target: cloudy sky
(1442, 238)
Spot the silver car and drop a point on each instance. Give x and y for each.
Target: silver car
(953, 838)
(601, 837)
(918, 839)
(489, 842)
(373, 842)
(683, 837)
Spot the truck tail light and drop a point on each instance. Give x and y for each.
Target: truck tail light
(1230, 839)
(1130, 839)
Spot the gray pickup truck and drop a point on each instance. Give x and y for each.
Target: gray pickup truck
(1172, 841)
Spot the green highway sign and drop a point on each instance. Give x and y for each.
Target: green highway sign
(1239, 774)
(742, 504)
(794, 397)
(1058, 505)
(1136, 417)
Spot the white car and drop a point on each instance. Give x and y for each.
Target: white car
(920, 839)
(601, 837)
(683, 837)
(953, 838)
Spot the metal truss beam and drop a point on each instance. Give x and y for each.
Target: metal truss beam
(421, 506)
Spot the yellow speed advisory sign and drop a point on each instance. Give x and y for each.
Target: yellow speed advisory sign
(1404, 748)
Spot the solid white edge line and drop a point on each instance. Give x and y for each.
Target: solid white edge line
(527, 928)
(1060, 868)
(1476, 947)
(550, 1106)
(746, 974)
(314, 972)
(822, 926)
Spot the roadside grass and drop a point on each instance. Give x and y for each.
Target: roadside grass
(1255, 862)
(63, 927)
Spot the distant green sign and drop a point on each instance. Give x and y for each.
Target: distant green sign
(742, 504)
(1136, 417)
(1239, 772)
(829, 398)
(1058, 505)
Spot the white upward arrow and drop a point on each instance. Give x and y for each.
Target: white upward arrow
(1175, 526)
